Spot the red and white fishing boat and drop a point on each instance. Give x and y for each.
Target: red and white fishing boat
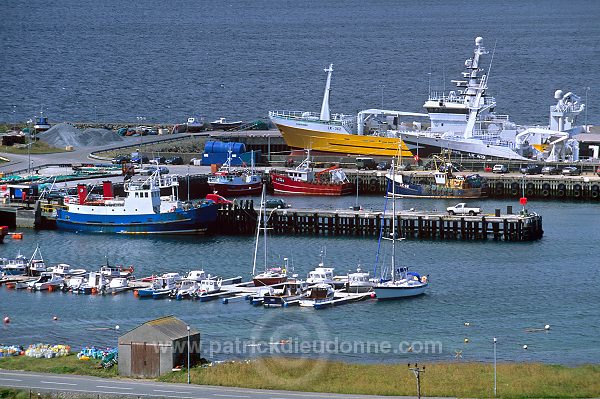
(305, 181)
(235, 182)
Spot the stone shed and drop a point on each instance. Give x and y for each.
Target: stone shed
(156, 347)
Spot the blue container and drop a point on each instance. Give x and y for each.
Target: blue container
(220, 147)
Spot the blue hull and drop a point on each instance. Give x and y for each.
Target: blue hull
(409, 190)
(196, 220)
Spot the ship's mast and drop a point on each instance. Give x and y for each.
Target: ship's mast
(325, 115)
(475, 87)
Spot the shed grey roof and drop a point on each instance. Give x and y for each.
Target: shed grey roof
(163, 329)
(588, 137)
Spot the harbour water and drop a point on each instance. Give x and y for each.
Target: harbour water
(82, 60)
(500, 289)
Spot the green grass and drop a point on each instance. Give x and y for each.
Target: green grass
(518, 380)
(39, 147)
(474, 380)
(60, 365)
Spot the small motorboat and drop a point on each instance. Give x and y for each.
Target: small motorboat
(117, 285)
(161, 286)
(47, 281)
(16, 266)
(36, 266)
(96, 284)
(224, 124)
(74, 283)
(187, 289)
(359, 282)
(65, 270)
(317, 293)
(115, 272)
(291, 292)
(208, 287)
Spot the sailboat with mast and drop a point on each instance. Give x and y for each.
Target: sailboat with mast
(269, 276)
(402, 283)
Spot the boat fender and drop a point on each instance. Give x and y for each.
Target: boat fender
(595, 188)
(595, 194)
(529, 192)
(561, 193)
(514, 192)
(546, 186)
(545, 193)
(514, 186)
(530, 185)
(499, 189)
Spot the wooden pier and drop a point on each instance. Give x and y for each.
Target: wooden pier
(241, 218)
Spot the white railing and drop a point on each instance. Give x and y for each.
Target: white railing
(313, 116)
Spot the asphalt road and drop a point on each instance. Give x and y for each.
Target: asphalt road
(135, 388)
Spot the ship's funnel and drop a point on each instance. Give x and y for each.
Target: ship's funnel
(82, 193)
(107, 189)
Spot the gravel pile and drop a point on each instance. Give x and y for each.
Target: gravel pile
(64, 134)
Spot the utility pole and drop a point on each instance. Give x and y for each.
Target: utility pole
(188, 355)
(495, 341)
(417, 372)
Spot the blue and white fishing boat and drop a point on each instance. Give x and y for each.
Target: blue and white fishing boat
(142, 211)
(161, 286)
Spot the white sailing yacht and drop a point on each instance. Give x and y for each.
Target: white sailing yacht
(402, 283)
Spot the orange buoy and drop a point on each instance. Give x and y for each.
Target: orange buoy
(17, 236)
(50, 288)
(135, 293)
(94, 291)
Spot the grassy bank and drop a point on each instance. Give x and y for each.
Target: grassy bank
(39, 147)
(60, 365)
(515, 380)
(440, 379)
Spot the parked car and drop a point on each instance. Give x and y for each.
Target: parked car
(462, 209)
(157, 160)
(549, 170)
(366, 163)
(571, 171)
(383, 165)
(174, 161)
(276, 203)
(531, 169)
(218, 199)
(56, 194)
(119, 159)
(500, 168)
(138, 159)
(148, 170)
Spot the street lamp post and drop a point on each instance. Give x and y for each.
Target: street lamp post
(30, 124)
(586, 107)
(188, 355)
(495, 340)
(381, 86)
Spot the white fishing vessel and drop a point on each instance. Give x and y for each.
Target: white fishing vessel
(188, 288)
(96, 283)
(208, 287)
(463, 121)
(401, 284)
(117, 285)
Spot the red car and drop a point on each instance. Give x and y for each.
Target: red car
(218, 199)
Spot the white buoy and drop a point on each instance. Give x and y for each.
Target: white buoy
(467, 324)
(466, 340)
(117, 327)
(6, 320)
(525, 347)
(55, 318)
(547, 327)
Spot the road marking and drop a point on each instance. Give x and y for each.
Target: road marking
(166, 391)
(57, 383)
(104, 386)
(9, 379)
(230, 396)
